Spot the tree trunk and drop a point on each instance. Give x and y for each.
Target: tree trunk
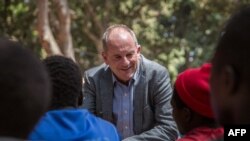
(45, 35)
(64, 37)
(96, 38)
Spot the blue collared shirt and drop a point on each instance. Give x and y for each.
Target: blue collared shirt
(123, 105)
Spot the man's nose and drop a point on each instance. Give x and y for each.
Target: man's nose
(125, 61)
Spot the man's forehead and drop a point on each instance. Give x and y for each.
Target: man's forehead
(119, 33)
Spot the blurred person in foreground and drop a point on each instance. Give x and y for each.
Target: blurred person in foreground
(25, 91)
(129, 90)
(192, 109)
(230, 78)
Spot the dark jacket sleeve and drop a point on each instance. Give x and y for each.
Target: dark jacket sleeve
(89, 93)
(161, 92)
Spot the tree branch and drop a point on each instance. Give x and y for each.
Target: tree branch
(64, 37)
(45, 35)
(94, 16)
(92, 37)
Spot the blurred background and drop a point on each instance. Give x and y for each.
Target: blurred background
(176, 33)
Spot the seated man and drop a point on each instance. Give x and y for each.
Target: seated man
(129, 90)
(192, 110)
(64, 121)
(25, 91)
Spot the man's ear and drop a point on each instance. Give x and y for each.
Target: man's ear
(138, 48)
(138, 51)
(104, 57)
(230, 79)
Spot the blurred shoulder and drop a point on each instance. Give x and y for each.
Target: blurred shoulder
(96, 70)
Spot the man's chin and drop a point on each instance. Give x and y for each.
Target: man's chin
(127, 79)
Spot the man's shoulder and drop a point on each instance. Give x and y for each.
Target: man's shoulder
(152, 66)
(96, 70)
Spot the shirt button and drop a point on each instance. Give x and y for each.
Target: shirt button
(125, 111)
(126, 94)
(126, 127)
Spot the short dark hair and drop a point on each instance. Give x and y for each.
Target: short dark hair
(233, 47)
(175, 97)
(25, 90)
(66, 79)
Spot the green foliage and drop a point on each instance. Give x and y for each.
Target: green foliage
(176, 33)
(18, 22)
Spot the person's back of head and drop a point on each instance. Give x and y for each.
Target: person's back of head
(25, 90)
(230, 80)
(66, 82)
(191, 99)
(65, 121)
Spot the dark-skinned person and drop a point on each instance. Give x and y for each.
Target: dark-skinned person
(65, 121)
(192, 108)
(230, 77)
(25, 91)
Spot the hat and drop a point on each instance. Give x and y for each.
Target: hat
(193, 88)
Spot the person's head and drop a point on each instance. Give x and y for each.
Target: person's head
(191, 99)
(25, 90)
(66, 79)
(121, 51)
(230, 78)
